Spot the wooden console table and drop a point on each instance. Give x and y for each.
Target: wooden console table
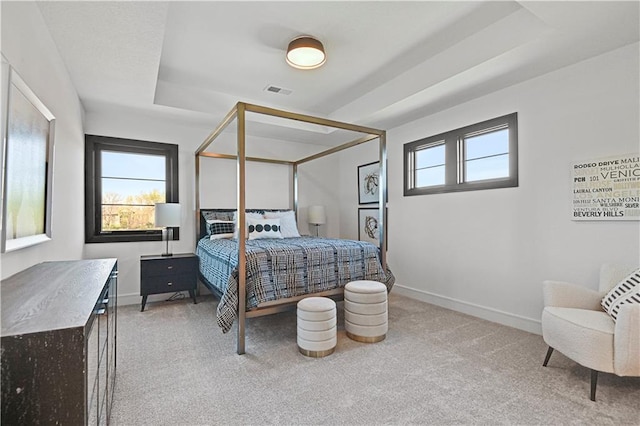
(59, 322)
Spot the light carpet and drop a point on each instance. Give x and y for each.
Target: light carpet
(436, 366)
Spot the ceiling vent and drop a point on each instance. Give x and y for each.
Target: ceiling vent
(276, 89)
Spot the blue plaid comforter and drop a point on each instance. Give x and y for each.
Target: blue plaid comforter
(281, 268)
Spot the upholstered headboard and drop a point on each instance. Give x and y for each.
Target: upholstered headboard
(224, 214)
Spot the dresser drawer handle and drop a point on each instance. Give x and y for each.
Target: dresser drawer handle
(169, 267)
(169, 283)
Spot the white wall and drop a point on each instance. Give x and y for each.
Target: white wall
(350, 159)
(28, 47)
(487, 252)
(320, 183)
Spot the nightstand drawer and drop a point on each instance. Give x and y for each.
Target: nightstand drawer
(169, 266)
(167, 284)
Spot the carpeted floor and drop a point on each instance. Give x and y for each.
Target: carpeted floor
(436, 366)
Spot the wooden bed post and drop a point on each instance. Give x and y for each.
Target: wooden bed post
(242, 230)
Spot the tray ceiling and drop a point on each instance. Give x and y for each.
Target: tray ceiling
(387, 62)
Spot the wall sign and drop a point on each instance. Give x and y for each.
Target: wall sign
(607, 188)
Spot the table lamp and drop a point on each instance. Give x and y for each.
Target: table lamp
(167, 217)
(316, 216)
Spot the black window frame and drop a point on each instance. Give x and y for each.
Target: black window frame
(94, 145)
(454, 158)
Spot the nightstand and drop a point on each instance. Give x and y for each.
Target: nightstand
(167, 274)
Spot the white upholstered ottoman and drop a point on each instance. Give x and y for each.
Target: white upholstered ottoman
(365, 311)
(316, 326)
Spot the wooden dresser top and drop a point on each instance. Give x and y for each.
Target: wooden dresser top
(52, 295)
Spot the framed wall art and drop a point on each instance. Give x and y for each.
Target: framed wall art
(606, 188)
(368, 225)
(368, 183)
(27, 184)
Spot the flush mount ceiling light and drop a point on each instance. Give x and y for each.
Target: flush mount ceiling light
(305, 53)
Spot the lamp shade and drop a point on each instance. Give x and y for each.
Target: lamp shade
(167, 214)
(317, 215)
(305, 53)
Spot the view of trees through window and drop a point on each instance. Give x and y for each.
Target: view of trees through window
(131, 212)
(131, 186)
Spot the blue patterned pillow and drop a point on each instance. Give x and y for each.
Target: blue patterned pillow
(264, 228)
(220, 229)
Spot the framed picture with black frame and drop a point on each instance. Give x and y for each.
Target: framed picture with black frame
(368, 225)
(369, 183)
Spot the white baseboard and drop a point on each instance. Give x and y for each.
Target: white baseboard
(484, 312)
(129, 299)
(136, 299)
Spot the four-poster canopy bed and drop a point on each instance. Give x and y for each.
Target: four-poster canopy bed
(350, 259)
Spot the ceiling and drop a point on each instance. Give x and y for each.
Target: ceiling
(388, 63)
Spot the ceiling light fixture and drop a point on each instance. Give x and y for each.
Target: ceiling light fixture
(305, 53)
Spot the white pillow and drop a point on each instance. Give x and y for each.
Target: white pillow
(288, 225)
(626, 291)
(247, 215)
(264, 228)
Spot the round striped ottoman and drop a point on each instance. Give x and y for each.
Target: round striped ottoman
(316, 326)
(365, 311)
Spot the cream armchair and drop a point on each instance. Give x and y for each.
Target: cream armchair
(574, 323)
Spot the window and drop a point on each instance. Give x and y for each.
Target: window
(123, 180)
(480, 156)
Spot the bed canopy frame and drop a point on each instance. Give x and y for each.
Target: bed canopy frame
(239, 112)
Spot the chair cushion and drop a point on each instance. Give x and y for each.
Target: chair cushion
(365, 298)
(626, 291)
(584, 336)
(366, 286)
(316, 304)
(316, 309)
